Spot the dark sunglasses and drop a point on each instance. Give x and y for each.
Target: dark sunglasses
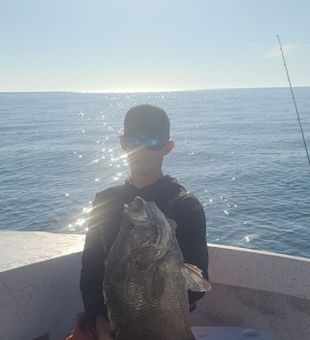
(151, 143)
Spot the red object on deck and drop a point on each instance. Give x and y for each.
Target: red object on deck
(78, 333)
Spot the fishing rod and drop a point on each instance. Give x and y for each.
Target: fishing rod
(293, 97)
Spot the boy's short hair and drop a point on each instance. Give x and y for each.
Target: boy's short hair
(147, 120)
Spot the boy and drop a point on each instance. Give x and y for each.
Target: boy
(146, 140)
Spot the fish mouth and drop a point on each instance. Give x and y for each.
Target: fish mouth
(136, 209)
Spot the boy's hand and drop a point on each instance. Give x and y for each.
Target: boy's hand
(103, 329)
(105, 337)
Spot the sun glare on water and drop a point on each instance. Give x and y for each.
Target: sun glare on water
(129, 90)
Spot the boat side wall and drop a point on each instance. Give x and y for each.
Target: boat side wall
(283, 274)
(40, 299)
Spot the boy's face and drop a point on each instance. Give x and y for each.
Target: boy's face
(143, 158)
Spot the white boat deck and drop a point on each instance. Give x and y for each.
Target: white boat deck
(22, 248)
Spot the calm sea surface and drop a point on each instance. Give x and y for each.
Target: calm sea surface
(239, 151)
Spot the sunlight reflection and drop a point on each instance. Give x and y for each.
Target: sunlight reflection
(249, 237)
(80, 222)
(87, 210)
(71, 227)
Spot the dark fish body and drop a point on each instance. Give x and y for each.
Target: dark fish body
(144, 284)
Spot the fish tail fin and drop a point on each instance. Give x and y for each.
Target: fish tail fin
(195, 281)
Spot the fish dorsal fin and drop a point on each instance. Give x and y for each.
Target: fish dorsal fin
(195, 281)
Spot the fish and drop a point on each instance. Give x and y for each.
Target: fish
(146, 280)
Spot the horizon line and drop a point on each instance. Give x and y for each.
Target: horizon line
(129, 91)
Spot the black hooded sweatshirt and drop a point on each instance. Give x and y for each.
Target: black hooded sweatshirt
(106, 216)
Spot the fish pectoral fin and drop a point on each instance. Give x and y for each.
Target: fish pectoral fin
(195, 281)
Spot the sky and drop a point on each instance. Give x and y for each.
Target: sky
(142, 45)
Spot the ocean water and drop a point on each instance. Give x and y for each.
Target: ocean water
(239, 151)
